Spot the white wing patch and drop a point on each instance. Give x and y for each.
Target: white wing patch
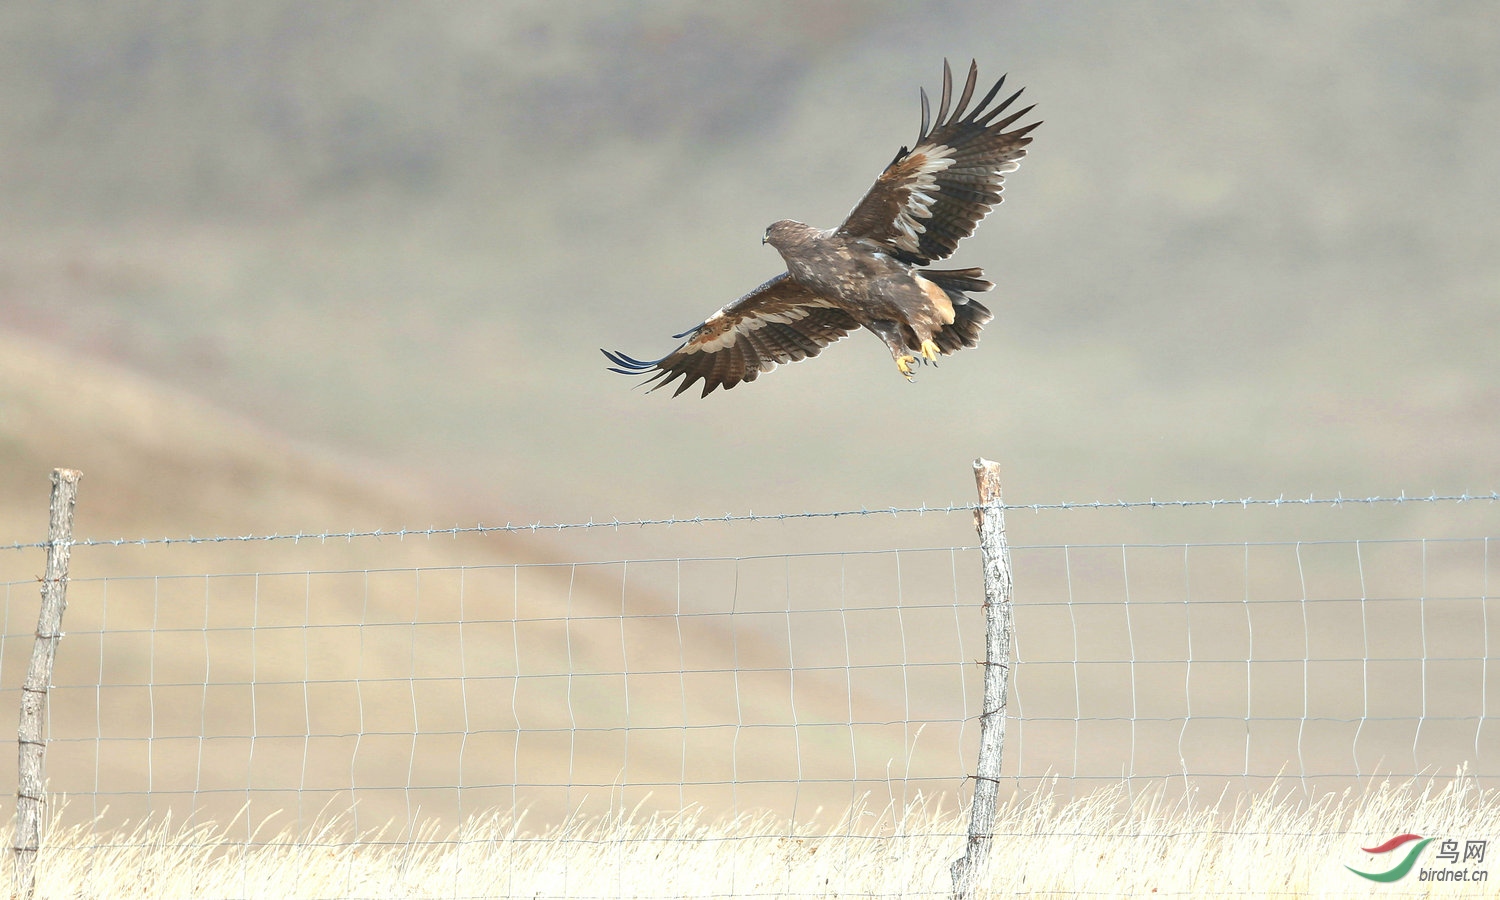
(919, 199)
(724, 334)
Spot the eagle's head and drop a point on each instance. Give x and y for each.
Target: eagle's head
(786, 233)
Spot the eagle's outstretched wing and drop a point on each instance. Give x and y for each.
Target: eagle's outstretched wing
(778, 322)
(931, 197)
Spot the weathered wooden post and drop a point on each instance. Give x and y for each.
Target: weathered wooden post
(989, 519)
(30, 784)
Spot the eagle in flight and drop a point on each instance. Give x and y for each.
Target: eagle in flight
(868, 272)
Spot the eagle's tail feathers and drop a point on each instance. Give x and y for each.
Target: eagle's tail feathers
(957, 281)
(968, 319)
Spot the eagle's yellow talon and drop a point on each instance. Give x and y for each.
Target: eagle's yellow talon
(930, 350)
(904, 364)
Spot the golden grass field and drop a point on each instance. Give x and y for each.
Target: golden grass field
(1105, 844)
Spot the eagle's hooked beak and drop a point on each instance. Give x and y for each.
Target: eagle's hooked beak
(765, 238)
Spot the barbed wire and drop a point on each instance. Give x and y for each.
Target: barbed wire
(616, 523)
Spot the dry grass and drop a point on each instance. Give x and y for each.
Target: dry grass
(1106, 844)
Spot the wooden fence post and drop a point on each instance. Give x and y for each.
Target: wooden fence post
(30, 785)
(989, 519)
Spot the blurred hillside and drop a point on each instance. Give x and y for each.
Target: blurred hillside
(284, 652)
(1254, 250)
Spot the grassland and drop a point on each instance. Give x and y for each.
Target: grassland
(1105, 844)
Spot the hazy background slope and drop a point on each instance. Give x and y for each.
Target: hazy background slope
(1254, 249)
(307, 669)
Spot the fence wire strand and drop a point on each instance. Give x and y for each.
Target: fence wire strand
(616, 523)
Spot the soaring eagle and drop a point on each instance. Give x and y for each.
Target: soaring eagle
(868, 272)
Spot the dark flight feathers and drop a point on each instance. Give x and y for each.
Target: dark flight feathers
(778, 322)
(920, 211)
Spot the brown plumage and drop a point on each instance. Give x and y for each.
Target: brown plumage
(868, 271)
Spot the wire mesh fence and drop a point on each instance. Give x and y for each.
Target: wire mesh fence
(1321, 663)
(787, 683)
(794, 685)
